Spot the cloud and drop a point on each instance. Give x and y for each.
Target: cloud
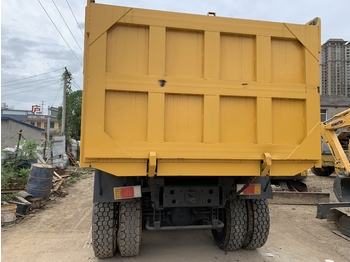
(31, 44)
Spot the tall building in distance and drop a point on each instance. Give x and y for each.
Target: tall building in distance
(335, 68)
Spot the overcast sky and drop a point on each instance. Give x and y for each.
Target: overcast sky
(33, 52)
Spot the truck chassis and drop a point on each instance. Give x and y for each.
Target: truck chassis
(236, 217)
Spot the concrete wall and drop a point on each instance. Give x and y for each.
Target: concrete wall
(10, 129)
(331, 111)
(334, 104)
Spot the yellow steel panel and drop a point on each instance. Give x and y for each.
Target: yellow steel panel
(101, 17)
(95, 95)
(237, 57)
(157, 50)
(244, 168)
(211, 55)
(126, 116)
(264, 120)
(127, 50)
(183, 118)
(211, 119)
(122, 168)
(155, 117)
(237, 120)
(205, 23)
(308, 147)
(97, 139)
(138, 150)
(235, 89)
(176, 85)
(285, 168)
(288, 121)
(287, 61)
(311, 70)
(184, 53)
(263, 58)
(306, 35)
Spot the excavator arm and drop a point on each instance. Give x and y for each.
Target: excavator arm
(341, 162)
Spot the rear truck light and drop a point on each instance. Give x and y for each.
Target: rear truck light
(252, 189)
(127, 192)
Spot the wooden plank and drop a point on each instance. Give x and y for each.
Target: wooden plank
(10, 191)
(57, 175)
(298, 198)
(57, 186)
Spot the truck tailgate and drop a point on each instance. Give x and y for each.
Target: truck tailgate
(192, 95)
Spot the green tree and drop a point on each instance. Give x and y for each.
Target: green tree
(74, 113)
(73, 108)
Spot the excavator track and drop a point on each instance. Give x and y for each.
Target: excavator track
(339, 221)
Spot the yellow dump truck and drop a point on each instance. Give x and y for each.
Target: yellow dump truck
(186, 118)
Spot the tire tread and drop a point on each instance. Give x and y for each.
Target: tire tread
(130, 228)
(104, 224)
(260, 220)
(234, 232)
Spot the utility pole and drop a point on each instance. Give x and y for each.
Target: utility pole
(48, 125)
(47, 141)
(63, 130)
(42, 107)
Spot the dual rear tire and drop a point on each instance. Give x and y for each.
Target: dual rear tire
(247, 225)
(117, 225)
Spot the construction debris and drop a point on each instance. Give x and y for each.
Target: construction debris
(72, 159)
(57, 175)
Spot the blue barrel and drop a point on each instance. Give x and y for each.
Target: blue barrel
(40, 180)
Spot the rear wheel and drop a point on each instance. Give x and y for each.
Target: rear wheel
(233, 234)
(130, 228)
(323, 171)
(258, 223)
(104, 226)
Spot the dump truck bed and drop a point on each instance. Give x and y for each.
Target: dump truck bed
(175, 94)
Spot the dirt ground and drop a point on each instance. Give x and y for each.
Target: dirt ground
(62, 232)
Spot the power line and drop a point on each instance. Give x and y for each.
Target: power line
(30, 76)
(56, 95)
(31, 89)
(60, 33)
(75, 18)
(67, 26)
(49, 81)
(24, 83)
(76, 85)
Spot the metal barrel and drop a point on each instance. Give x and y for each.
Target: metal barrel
(40, 180)
(8, 214)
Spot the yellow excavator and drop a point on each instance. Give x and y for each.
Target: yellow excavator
(327, 167)
(338, 214)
